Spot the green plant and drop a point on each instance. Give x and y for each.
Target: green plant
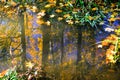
(10, 75)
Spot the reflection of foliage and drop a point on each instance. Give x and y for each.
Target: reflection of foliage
(8, 35)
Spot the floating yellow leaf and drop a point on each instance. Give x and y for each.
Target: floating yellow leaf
(69, 21)
(49, 57)
(48, 23)
(41, 14)
(34, 7)
(29, 65)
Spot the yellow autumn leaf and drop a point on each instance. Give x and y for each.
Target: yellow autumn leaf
(28, 32)
(48, 23)
(60, 18)
(112, 16)
(52, 16)
(105, 11)
(40, 46)
(58, 10)
(39, 39)
(13, 3)
(3, 0)
(43, 10)
(66, 4)
(49, 57)
(3, 73)
(29, 65)
(66, 15)
(48, 6)
(34, 9)
(70, 61)
(113, 5)
(76, 21)
(94, 9)
(112, 19)
(69, 21)
(52, 1)
(61, 4)
(65, 64)
(40, 21)
(90, 18)
(102, 22)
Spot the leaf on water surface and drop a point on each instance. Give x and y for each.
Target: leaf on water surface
(48, 23)
(29, 65)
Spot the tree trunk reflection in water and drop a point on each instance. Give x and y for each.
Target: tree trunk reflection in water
(23, 42)
(79, 41)
(56, 51)
(46, 44)
(62, 44)
(88, 40)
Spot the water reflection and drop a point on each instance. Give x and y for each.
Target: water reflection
(61, 47)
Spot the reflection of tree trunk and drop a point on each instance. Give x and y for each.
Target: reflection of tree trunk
(79, 41)
(62, 45)
(51, 42)
(46, 46)
(89, 41)
(23, 42)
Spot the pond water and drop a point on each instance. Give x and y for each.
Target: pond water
(59, 44)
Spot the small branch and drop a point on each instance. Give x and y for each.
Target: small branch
(95, 43)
